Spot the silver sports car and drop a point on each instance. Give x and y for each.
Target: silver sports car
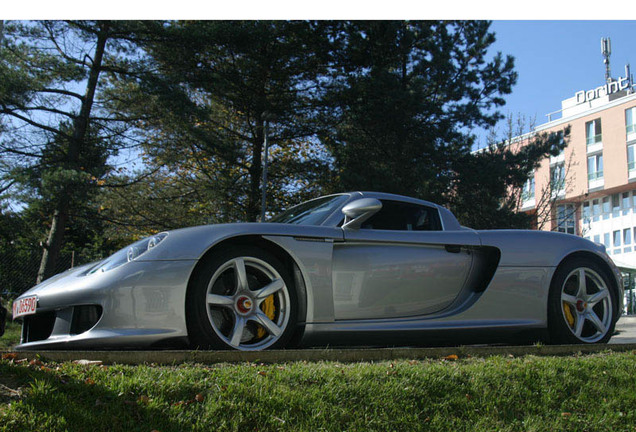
(352, 268)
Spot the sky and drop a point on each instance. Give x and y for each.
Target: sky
(555, 59)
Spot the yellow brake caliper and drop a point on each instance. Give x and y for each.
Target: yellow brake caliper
(270, 310)
(568, 314)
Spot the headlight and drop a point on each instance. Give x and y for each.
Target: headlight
(128, 254)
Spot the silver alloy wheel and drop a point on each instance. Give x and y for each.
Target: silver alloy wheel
(586, 305)
(235, 295)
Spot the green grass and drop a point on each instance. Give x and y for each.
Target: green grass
(580, 393)
(11, 335)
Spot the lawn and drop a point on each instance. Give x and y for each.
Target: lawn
(580, 393)
(11, 335)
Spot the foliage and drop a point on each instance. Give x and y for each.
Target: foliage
(404, 96)
(345, 105)
(57, 138)
(212, 89)
(488, 184)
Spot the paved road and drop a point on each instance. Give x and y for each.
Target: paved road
(626, 328)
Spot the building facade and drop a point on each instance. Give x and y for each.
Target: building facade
(590, 189)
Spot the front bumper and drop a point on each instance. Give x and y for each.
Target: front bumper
(137, 305)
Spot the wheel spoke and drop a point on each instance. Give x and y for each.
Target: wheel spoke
(595, 298)
(594, 319)
(570, 299)
(582, 288)
(580, 321)
(241, 275)
(219, 300)
(237, 331)
(271, 288)
(269, 325)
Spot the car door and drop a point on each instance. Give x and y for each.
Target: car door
(400, 263)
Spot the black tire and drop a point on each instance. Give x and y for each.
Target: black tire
(582, 303)
(222, 314)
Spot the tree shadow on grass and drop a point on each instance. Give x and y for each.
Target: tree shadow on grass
(47, 400)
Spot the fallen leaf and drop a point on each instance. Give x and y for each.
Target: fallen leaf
(199, 397)
(566, 414)
(9, 356)
(89, 381)
(35, 362)
(451, 357)
(262, 373)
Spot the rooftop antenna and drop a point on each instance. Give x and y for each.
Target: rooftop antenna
(606, 50)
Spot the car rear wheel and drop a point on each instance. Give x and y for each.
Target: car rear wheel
(242, 299)
(582, 304)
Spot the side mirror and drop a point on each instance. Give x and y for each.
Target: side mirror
(358, 211)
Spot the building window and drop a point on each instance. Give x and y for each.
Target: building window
(527, 193)
(606, 207)
(565, 219)
(595, 167)
(630, 120)
(631, 159)
(596, 210)
(627, 240)
(606, 240)
(593, 132)
(557, 178)
(616, 205)
(617, 238)
(626, 201)
(586, 212)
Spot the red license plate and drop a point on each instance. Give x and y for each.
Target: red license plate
(25, 306)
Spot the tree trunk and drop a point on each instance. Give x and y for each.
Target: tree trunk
(51, 252)
(255, 172)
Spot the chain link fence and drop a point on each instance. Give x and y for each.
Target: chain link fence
(18, 272)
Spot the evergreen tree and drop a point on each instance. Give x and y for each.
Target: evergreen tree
(405, 97)
(211, 91)
(57, 136)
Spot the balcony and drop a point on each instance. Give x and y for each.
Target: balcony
(631, 169)
(527, 200)
(631, 132)
(595, 180)
(557, 188)
(594, 143)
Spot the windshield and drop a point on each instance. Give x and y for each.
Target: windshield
(312, 212)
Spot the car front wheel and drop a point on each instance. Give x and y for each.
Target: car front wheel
(242, 299)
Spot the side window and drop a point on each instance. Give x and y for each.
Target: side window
(400, 216)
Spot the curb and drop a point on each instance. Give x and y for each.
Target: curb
(314, 355)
